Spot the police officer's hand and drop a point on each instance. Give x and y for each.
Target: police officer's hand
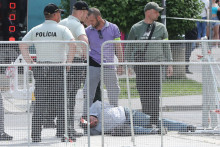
(170, 70)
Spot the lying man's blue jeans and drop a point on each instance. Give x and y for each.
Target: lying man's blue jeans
(141, 122)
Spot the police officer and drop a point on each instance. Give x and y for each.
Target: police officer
(49, 82)
(76, 76)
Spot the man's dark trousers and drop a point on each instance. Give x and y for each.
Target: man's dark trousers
(75, 79)
(148, 86)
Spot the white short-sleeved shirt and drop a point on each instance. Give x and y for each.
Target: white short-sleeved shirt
(205, 9)
(113, 117)
(76, 29)
(49, 31)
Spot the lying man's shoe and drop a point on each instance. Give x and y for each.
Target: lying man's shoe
(189, 128)
(4, 137)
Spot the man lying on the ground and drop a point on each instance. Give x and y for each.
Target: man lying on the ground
(117, 121)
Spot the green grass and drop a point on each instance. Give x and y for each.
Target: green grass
(170, 88)
(174, 87)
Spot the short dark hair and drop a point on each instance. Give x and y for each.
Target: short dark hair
(94, 11)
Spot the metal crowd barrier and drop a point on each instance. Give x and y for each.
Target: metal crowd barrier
(190, 98)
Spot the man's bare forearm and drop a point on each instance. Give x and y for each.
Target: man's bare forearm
(71, 53)
(119, 52)
(25, 53)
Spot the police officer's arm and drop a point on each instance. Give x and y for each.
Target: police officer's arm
(83, 37)
(25, 53)
(79, 32)
(72, 51)
(24, 47)
(72, 46)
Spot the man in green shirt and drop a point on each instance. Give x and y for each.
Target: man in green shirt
(148, 76)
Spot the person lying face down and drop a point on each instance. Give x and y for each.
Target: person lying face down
(117, 119)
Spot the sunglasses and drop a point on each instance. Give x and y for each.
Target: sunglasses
(100, 34)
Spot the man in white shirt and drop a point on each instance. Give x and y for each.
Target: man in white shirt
(76, 76)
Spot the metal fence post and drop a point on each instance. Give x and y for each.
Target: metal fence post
(26, 68)
(161, 103)
(208, 97)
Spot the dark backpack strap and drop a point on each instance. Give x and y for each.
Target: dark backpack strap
(151, 33)
(152, 30)
(139, 55)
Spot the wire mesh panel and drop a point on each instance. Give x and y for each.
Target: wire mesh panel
(49, 98)
(43, 101)
(161, 100)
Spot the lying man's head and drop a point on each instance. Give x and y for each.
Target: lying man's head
(93, 121)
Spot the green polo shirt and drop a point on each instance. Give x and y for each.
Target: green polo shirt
(155, 52)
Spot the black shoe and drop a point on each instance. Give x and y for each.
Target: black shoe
(188, 72)
(36, 139)
(68, 138)
(4, 137)
(190, 128)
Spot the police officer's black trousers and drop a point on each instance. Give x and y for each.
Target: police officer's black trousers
(148, 86)
(49, 93)
(75, 79)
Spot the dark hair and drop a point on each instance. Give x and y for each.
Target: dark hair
(94, 11)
